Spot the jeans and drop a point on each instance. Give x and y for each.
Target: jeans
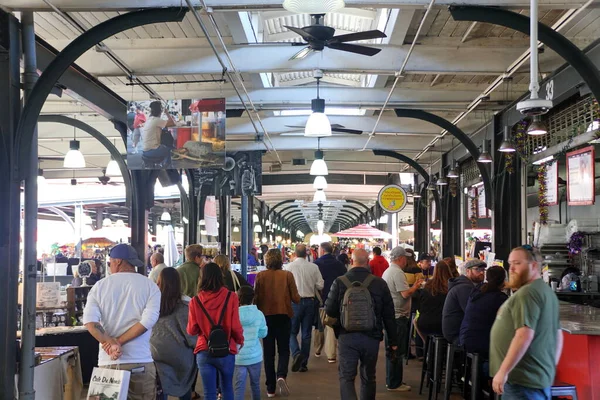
(394, 370)
(209, 368)
(161, 153)
(239, 377)
(187, 396)
(352, 349)
(518, 392)
(279, 327)
(303, 319)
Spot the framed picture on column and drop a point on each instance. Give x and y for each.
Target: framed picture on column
(552, 184)
(581, 188)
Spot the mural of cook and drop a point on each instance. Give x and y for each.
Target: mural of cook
(153, 151)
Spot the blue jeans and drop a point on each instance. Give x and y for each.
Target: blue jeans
(518, 392)
(209, 368)
(354, 349)
(187, 396)
(304, 317)
(241, 373)
(161, 153)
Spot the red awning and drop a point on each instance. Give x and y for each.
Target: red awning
(363, 231)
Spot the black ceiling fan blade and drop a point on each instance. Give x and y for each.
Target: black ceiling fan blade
(273, 44)
(351, 37)
(295, 126)
(344, 130)
(305, 35)
(354, 48)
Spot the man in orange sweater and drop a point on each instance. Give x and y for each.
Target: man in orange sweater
(378, 264)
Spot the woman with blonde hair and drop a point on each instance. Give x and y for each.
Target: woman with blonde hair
(232, 279)
(274, 292)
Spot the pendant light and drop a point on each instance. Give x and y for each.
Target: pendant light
(318, 124)
(453, 173)
(106, 222)
(319, 196)
(255, 218)
(236, 229)
(120, 223)
(485, 157)
(442, 181)
(320, 183)
(201, 222)
(74, 158)
(537, 127)
(318, 167)
(416, 195)
(431, 186)
(506, 146)
(313, 6)
(112, 168)
(165, 216)
(41, 181)
(257, 228)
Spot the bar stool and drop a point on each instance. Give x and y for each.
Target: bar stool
(472, 380)
(450, 356)
(563, 389)
(426, 358)
(411, 332)
(432, 364)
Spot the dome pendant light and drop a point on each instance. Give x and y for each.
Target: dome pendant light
(319, 196)
(453, 173)
(485, 157)
(74, 158)
(318, 167)
(165, 216)
(112, 168)
(318, 124)
(320, 183)
(506, 146)
(537, 127)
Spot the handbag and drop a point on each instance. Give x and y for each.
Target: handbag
(109, 384)
(236, 281)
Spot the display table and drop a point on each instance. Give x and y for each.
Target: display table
(58, 376)
(578, 363)
(77, 336)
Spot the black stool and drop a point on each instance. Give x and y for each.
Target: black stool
(435, 383)
(425, 370)
(450, 356)
(563, 389)
(411, 332)
(472, 380)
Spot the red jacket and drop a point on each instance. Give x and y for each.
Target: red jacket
(199, 325)
(378, 265)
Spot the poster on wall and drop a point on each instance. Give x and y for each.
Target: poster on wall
(241, 175)
(176, 134)
(552, 184)
(581, 189)
(482, 211)
(210, 216)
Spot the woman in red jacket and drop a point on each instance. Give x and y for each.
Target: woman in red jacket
(213, 297)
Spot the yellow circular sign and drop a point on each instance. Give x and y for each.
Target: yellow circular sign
(392, 198)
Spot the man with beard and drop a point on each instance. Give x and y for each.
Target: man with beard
(526, 341)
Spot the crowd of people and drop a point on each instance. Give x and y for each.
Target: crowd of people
(202, 318)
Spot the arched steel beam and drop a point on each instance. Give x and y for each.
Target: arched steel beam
(458, 134)
(293, 214)
(349, 207)
(417, 167)
(346, 219)
(357, 203)
(551, 38)
(64, 59)
(284, 209)
(349, 214)
(297, 219)
(114, 152)
(63, 215)
(273, 209)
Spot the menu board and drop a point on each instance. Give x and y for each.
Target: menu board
(482, 211)
(581, 190)
(552, 184)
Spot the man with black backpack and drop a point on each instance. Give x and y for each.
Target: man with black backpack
(362, 305)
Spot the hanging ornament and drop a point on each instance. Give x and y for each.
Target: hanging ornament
(509, 163)
(453, 186)
(576, 243)
(542, 191)
(474, 212)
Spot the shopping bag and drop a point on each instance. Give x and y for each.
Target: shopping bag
(108, 384)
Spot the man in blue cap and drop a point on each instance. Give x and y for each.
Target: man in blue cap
(120, 312)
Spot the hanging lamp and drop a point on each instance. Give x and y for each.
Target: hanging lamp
(507, 145)
(537, 127)
(74, 158)
(165, 216)
(318, 124)
(112, 168)
(319, 167)
(319, 196)
(485, 156)
(453, 173)
(320, 183)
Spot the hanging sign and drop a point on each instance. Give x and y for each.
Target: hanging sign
(392, 198)
(482, 211)
(581, 189)
(552, 184)
(433, 212)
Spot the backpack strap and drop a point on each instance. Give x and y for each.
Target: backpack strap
(224, 308)
(236, 281)
(344, 279)
(197, 298)
(370, 278)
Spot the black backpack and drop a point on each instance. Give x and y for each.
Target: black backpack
(218, 341)
(357, 313)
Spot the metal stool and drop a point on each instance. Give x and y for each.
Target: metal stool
(435, 379)
(472, 380)
(426, 358)
(563, 389)
(411, 332)
(450, 355)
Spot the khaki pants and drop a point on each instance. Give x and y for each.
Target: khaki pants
(325, 338)
(142, 385)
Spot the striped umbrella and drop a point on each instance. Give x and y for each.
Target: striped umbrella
(363, 231)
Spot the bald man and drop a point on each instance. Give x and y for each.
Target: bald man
(361, 347)
(157, 261)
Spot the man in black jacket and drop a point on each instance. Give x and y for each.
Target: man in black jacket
(361, 346)
(330, 269)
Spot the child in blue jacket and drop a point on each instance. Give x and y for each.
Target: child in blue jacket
(248, 361)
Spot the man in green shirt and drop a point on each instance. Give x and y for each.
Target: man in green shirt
(526, 341)
(190, 272)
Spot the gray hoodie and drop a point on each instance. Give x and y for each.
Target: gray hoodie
(459, 290)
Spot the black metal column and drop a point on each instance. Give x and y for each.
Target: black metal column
(143, 197)
(194, 219)
(250, 223)
(244, 237)
(421, 224)
(225, 224)
(10, 108)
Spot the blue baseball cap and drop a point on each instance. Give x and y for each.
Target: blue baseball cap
(126, 252)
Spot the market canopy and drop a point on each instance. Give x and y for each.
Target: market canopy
(363, 231)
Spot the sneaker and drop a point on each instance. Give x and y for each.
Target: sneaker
(270, 394)
(303, 369)
(284, 390)
(401, 388)
(317, 355)
(297, 362)
(331, 360)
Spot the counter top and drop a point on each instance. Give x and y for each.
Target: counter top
(577, 319)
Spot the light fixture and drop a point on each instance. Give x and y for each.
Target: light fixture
(313, 6)
(112, 168)
(431, 186)
(106, 222)
(320, 225)
(268, 223)
(236, 229)
(485, 156)
(320, 183)
(383, 219)
(442, 181)
(416, 195)
(453, 173)
(257, 228)
(537, 127)
(264, 239)
(543, 160)
(203, 232)
(87, 220)
(185, 220)
(40, 178)
(319, 196)
(119, 223)
(255, 218)
(165, 216)
(318, 124)
(506, 146)
(201, 222)
(74, 158)
(318, 167)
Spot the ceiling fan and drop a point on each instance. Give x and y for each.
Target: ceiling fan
(336, 128)
(318, 36)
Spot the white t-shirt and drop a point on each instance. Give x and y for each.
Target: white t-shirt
(118, 302)
(396, 281)
(307, 276)
(151, 133)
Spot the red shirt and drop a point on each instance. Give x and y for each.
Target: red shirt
(378, 265)
(199, 325)
(140, 119)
